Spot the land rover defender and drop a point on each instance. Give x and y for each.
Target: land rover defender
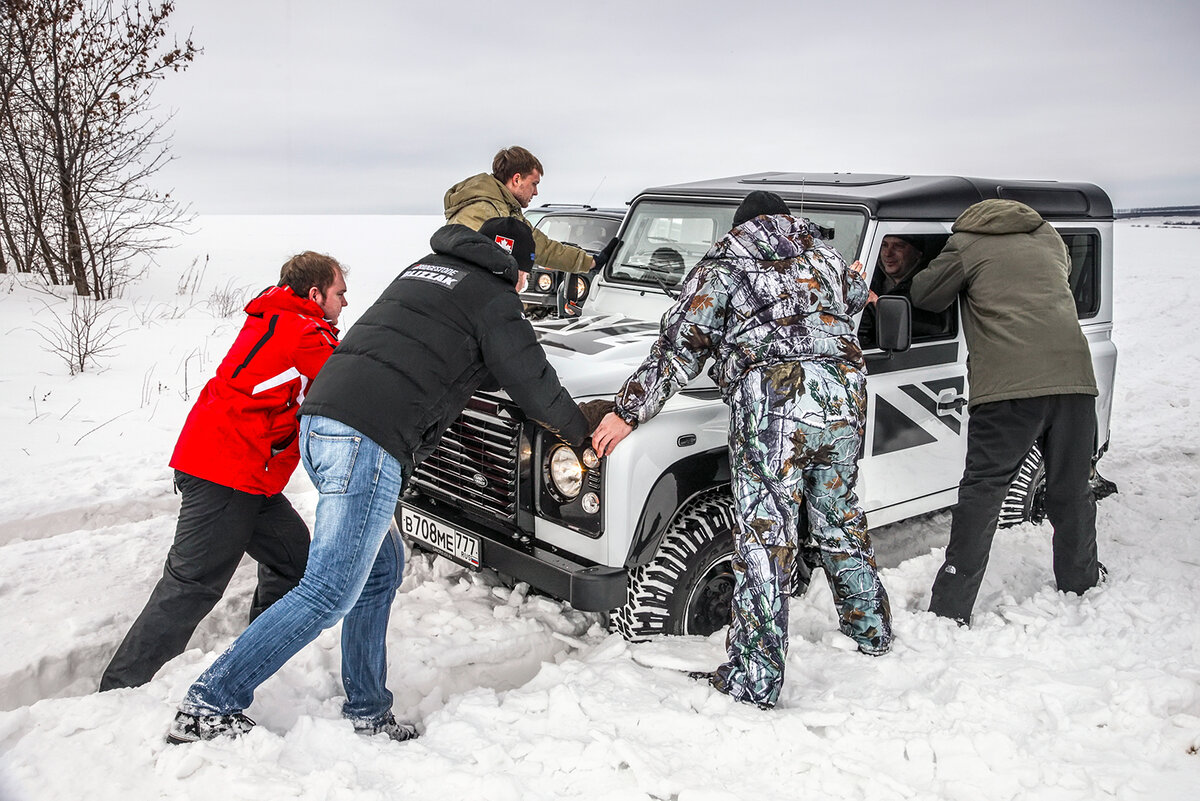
(644, 534)
(585, 227)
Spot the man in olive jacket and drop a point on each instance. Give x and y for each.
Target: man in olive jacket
(511, 186)
(1031, 382)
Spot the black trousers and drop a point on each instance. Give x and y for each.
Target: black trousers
(217, 526)
(999, 436)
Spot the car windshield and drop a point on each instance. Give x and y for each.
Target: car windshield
(664, 239)
(589, 233)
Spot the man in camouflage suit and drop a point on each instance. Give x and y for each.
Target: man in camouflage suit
(772, 305)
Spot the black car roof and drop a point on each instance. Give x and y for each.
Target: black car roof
(585, 211)
(906, 197)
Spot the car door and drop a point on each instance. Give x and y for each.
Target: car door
(915, 443)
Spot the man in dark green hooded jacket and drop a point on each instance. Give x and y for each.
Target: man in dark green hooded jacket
(1031, 382)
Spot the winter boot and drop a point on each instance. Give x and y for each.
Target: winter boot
(190, 728)
(387, 725)
(712, 678)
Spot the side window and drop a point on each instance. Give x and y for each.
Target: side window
(1083, 249)
(556, 228)
(901, 257)
(589, 233)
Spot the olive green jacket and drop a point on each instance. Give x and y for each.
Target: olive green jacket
(1012, 270)
(481, 198)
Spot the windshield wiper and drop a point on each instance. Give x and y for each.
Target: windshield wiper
(656, 273)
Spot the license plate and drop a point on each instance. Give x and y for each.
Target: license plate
(446, 540)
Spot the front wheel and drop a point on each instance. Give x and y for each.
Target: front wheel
(687, 586)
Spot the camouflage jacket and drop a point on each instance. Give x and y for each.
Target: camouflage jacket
(768, 292)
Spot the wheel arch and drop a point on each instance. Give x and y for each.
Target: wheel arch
(678, 485)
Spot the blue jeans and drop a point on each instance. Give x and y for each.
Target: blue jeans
(355, 565)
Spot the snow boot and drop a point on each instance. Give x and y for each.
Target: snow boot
(387, 725)
(711, 678)
(190, 728)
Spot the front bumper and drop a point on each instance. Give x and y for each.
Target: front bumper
(589, 588)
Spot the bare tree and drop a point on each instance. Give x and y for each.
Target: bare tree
(79, 140)
(83, 334)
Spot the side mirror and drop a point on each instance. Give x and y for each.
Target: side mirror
(893, 323)
(572, 292)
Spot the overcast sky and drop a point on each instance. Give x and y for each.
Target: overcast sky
(311, 106)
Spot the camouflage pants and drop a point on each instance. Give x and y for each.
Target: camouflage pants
(795, 434)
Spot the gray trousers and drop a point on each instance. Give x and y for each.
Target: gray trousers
(999, 436)
(217, 526)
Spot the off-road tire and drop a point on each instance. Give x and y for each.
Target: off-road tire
(1026, 499)
(687, 586)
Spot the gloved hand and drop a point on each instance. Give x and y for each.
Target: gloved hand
(603, 256)
(594, 411)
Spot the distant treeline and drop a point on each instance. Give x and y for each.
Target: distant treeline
(1158, 211)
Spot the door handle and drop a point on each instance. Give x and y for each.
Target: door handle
(949, 401)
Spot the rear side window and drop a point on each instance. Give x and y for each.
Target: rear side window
(1083, 249)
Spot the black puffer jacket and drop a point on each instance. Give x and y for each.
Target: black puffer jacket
(446, 325)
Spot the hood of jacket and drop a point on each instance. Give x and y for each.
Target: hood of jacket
(461, 242)
(767, 238)
(476, 188)
(997, 216)
(282, 298)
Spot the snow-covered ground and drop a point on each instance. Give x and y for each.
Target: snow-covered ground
(1046, 696)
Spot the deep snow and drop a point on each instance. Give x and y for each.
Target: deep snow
(1046, 696)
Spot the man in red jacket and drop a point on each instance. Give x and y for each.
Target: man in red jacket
(234, 456)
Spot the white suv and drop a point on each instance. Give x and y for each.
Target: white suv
(644, 534)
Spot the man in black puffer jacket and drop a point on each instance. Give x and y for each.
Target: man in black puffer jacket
(447, 325)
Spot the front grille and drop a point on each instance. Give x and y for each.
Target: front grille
(475, 465)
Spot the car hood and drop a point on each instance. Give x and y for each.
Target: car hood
(594, 355)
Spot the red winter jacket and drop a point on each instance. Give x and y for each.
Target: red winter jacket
(242, 431)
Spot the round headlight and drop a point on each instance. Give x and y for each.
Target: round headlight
(565, 471)
(590, 459)
(545, 282)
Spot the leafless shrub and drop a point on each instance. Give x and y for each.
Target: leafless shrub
(198, 355)
(87, 332)
(149, 312)
(151, 388)
(228, 300)
(189, 282)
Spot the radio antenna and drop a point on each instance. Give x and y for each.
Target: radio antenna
(597, 189)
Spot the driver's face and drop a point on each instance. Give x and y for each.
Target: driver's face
(524, 187)
(897, 256)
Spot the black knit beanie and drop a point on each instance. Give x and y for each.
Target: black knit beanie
(915, 241)
(514, 237)
(759, 202)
